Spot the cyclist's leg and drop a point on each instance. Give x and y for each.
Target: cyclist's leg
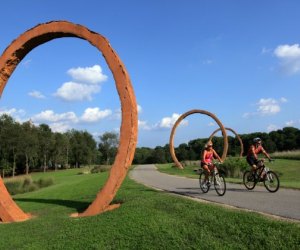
(207, 170)
(252, 162)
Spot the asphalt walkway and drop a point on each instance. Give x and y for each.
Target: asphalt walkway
(284, 203)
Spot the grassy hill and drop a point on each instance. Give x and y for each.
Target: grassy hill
(147, 219)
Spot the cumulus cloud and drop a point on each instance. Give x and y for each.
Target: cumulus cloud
(85, 82)
(60, 127)
(144, 125)
(51, 116)
(17, 114)
(139, 109)
(92, 75)
(211, 124)
(72, 91)
(290, 123)
(272, 127)
(36, 94)
(266, 106)
(95, 114)
(289, 57)
(168, 122)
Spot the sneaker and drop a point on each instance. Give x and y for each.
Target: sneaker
(208, 183)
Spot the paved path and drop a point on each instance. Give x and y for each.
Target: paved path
(284, 203)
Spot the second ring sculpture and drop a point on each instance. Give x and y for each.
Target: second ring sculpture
(183, 116)
(236, 135)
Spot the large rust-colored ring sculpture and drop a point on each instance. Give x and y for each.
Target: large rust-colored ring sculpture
(42, 33)
(195, 111)
(236, 135)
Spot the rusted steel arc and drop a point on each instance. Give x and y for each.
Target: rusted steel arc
(183, 116)
(43, 33)
(236, 135)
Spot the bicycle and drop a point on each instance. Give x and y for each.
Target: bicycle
(269, 178)
(214, 177)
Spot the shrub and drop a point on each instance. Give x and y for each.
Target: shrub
(234, 167)
(100, 169)
(289, 155)
(24, 185)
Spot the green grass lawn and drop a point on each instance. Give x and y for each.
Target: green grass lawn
(288, 171)
(147, 219)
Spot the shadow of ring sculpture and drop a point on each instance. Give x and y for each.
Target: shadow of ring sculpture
(183, 116)
(40, 34)
(236, 135)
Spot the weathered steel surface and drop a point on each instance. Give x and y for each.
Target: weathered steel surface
(42, 33)
(183, 116)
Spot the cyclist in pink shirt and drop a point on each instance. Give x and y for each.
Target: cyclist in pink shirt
(207, 157)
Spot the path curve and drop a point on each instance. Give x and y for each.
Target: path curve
(284, 203)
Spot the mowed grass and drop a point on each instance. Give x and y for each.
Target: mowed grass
(287, 170)
(147, 219)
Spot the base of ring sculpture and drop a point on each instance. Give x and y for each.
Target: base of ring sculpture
(40, 34)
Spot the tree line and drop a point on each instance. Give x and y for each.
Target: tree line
(25, 147)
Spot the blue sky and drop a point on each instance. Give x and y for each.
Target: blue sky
(239, 60)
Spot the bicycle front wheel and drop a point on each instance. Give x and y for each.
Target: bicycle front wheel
(271, 181)
(220, 184)
(248, 180)
(203, 183)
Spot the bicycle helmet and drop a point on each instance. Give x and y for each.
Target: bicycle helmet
(256, 140)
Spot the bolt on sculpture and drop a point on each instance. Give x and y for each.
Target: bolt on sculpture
(236, 135)
(183, 116)
(40, 34)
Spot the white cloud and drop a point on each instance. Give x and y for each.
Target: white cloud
(211, 124)
(72, 91)
(290, 123)
(272, 127)
(60, 127)
(13, 112)
(36, 94)
(143, 125)
(289, 57)
(17, 114)
(168, 122)
(139, 109)
(92, 75)
(50, 116)
(95, 114)
(268, 106)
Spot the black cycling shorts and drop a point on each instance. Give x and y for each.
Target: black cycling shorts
(252, 160)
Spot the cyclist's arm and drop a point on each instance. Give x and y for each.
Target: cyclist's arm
(217, 156)
(265, 153)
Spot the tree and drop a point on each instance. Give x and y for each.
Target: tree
(108, 146)
(46, 142)
(28, 143)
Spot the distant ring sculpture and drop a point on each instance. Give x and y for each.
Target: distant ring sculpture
(183, 116)
(40, 34)
(236, 135)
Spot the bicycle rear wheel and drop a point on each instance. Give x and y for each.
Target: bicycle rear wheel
(220, 184)
(271, 181)
(249, 180)
(203, 184)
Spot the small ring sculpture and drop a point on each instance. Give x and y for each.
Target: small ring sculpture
(236, 135)
(40, 34)
(183, 116)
